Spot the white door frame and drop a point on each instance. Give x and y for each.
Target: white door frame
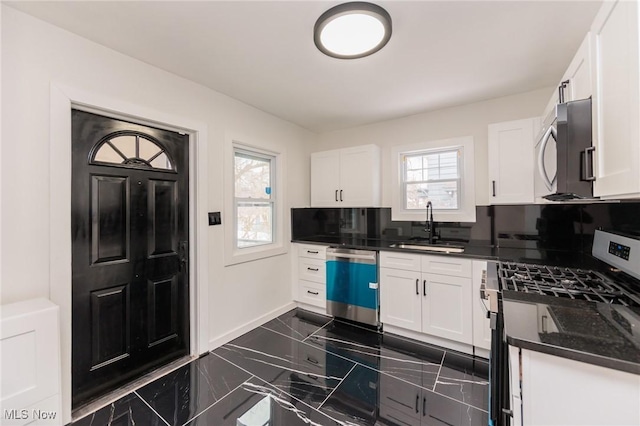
(62, 99)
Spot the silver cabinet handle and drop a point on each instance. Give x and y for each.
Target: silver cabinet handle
(588, 161)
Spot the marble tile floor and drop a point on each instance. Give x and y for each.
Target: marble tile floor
(306, 369)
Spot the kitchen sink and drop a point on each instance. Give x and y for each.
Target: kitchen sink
(443, 248)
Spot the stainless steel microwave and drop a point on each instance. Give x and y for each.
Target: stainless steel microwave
(564, 154)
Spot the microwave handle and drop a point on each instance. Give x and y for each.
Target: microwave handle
(587, 159)
(551, 132)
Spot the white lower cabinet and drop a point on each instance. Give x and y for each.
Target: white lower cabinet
(560, 391)
(309, 276)
(446, 307)
(400, 301)
(433, 304)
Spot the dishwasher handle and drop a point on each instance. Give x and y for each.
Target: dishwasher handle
(371, 257)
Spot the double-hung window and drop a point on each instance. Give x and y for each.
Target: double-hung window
(254, 198)
(440, 171)
(432, 175)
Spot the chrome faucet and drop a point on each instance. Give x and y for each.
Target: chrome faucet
(429, 222)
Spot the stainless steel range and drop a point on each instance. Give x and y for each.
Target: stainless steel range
(615, 283)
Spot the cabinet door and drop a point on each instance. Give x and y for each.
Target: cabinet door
(325, 178)
(511, 147)
(616, 115)
(446, 307)
(579, 73)
(400, 298)
(360, 176)
(579, 394)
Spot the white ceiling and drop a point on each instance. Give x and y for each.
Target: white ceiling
(441, 53)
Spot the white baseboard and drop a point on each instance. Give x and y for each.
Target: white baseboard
(216, 342)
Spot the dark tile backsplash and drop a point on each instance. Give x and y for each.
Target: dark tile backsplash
(568, 227)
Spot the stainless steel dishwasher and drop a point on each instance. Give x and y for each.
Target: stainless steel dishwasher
(352, 285)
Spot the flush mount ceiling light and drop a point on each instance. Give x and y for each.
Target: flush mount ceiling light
(352, 30)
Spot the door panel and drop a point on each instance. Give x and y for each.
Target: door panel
(163, 315)
(110, 325)
(110, 216)
(130, 301)
(162, 217)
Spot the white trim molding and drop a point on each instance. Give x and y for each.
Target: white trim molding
(467, 210)
(62, 100)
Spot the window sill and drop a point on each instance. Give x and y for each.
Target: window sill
(438, 216)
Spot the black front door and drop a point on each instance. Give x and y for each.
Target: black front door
(130, 251)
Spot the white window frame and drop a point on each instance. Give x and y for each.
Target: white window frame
(272, 199)
(466, 211)
(232, 253)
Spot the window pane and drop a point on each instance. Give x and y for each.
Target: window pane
(161, 162)
(252, 177)
(106, 154)
(147, 148)
(414, 162)
(435, 166)
(414, 175)
(443, 195)
(126, 145)
(255, 224)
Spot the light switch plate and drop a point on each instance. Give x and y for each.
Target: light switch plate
(214, 218)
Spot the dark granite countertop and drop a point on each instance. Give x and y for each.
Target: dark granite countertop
(595, 333)
(481, 250)
(591, 332)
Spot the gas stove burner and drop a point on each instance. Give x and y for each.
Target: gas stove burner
(563, 282)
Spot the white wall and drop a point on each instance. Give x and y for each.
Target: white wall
(34, 54)
(465, 120)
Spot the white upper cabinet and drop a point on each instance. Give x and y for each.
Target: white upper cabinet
(511, 148)
(576, 82)
(616, 100)
(348, 177)
(578, 74)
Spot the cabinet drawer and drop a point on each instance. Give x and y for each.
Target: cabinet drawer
(445, 265)
(397, 260)
(312, 251)
(312, 270)
(312, 293)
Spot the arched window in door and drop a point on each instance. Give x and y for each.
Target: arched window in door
(131, 149)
